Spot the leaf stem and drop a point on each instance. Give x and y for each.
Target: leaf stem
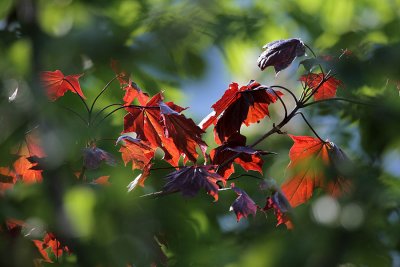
(75, 113)
(76, 91)
(309, 125)
(287, 90)
(338, 99)
(101, 92)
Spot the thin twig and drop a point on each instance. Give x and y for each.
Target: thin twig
(309, 125)
(283, 103)
(338, 99)
(287, 90)
(103, 109)
(75, 113)
(76, 91)
(242, 175)
(101, 92)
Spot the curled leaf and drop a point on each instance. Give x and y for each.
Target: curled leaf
(281, 207)
(243, 205)
(281, 53)
(247, 104)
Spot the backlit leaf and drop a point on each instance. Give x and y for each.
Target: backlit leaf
(311, 161)
(56, 84)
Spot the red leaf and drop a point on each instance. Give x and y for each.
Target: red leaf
(102, 180)
(247, 104)
(23, 168)
(189, 180)
(281, 53)
(243, 205)
(140, 179)
(50, 241)
(56, 84)
(311, 161)
(281, 207)
(186, 135)
(249, 158)
(161, 125)
(93, 157)
(136, 151)
(326, 90)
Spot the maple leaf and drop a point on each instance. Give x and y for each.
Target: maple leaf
(94, 156)
(161, 125)
(23, 168)
(247, 104)
(249, 158)
(311, 160)
(185, 134)
(190, 179)
(243, 205)
(135, 150)
(281, 53)
(326, 90)
(56, 84)
(50, 241)
(281, 207)
(102, 180)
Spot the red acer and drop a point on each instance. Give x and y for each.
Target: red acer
(326, 90)
(311, 160)
(161, 125)
(249, 158)
(56, 84)
(151, 125)
(247, 104)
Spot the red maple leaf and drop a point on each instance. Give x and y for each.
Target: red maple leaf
(190, 179)
(314, 164)
(50, 241)
(56, 84)
(326, 90)
(281, 208)
(249, 158)
(23, 168)
(161, 125)
(30, 150)
(281, 53)
(102, 180)
(247, 104)
(243, 205)
(135, 150)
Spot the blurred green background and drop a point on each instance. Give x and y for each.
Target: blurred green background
(192, 50)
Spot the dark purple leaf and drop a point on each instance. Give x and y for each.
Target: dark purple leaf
(281, 207)
(189, 180)
(281, 53)
(243, 205)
